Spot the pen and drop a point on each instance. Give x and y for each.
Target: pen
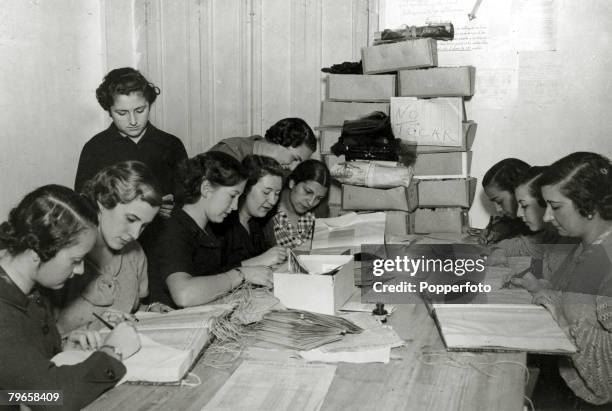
(520, 274)
(103, 321)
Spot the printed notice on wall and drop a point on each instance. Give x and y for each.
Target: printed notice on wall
(534, 25)
(470, 33)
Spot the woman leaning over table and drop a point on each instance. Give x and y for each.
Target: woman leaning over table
(245, 240)
(306, 186)
(578, 193)
(186, 260)
(127, 198)
(42, 245)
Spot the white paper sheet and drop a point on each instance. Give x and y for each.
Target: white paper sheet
(274, 386)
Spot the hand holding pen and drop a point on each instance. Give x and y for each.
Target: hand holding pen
(123, 340)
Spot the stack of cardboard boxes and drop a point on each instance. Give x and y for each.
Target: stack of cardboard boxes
(426, 106)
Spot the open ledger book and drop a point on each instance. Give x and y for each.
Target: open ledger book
(170, 344)
(500, 327)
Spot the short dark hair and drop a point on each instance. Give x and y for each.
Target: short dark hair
(311, 170)
(505, 174)
(531, 180)
(216, 167)
(292, 132)
(258, 167)
(124, 81)
(586, 179)
(122, 183)
(47, 220)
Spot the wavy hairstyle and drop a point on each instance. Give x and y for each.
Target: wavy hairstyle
(47, 220)
(505, 174)
(218, 168)
(258, 167)
(124, 81)
(586, 179)
(292, 132)
(531, 179)
(122, 183)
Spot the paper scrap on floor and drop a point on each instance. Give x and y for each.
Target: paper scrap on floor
(274, 386)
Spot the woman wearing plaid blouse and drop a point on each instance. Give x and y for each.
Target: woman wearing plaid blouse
(306, 186)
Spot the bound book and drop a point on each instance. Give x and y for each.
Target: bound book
(170, 344)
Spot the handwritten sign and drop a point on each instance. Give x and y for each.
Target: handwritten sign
(436, 121)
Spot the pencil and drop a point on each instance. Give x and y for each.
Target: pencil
(103, 321)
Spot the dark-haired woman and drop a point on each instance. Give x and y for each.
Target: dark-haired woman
(578, 193)
(306, 186)
(289, 141)
(127, 96)
(127, 198)
(245, 239)
(42, 245)
(187, 267)
(499, 183)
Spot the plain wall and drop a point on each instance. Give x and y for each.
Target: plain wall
(52, 60)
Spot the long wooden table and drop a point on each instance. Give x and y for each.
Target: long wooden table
(406, 383)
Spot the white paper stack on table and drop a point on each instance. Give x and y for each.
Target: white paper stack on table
(170, 344)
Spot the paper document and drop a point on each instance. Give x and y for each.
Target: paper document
(274, 386)
(351, 231)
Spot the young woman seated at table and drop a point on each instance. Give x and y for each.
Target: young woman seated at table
(127, 198)
(305, 187)
(42, 245)
(543, 243)
(499, 183)
(244, 238)
(578, 193)
(186, 262)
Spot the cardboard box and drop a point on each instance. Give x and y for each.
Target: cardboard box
(434, 121)
(365, 198)
(397, 223)
(335, 113)
(443, 165)
(447, 193)
(323, 294)
(438, 220)
(335, 193)
(329, 137)
(358, 87)
(469, 134)
(408, 54)
(437, 82)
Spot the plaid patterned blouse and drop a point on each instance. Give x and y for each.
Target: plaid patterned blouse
(289, 236)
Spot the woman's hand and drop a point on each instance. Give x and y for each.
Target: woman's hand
(115, 317)
(497, 258)
(258, 275)
(167, 205)
(550, 299)
(159, 308)
(273, 256)
(124, 339)
(84, 340)
(532, 284)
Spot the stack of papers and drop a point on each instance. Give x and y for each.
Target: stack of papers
(303, 330)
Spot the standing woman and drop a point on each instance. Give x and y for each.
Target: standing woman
(43, 244)
(306, 186)
(186, 260)
(244, 237)
(578, 191)
(127, 198)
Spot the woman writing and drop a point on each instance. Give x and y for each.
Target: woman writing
(578, 193)
(306, 186)
(42, 245)
(186, 260)
(127, 198)
(244, 237)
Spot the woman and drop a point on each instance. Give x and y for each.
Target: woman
(42, 245)
(186, 262)
(244, 238)
(127, 198)
(578, 193)
(289, 141)
(499, 183)
(127, 96)
(306, 186)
